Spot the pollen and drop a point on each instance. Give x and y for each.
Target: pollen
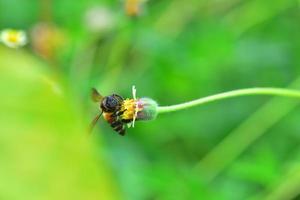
(138, 109)
(130, 109)
(13, 38)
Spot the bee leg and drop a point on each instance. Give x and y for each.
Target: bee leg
(120, 113)
(117, 114)
(126, 120)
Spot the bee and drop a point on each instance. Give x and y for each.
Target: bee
(112, 109)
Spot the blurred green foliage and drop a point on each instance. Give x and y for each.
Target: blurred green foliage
(243, 148)
(44, 152)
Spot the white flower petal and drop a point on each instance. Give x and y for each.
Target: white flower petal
(136, 105)
(134, 92)
(13, 38)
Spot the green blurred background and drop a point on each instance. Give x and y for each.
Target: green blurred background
(173, 51)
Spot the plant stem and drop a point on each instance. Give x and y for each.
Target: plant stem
(235, 93)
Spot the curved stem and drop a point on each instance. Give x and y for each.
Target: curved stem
(235, 93)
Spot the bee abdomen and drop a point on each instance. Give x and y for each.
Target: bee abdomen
(118, 127)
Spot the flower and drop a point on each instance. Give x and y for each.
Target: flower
(99, 19)
(48, 40)
(134, 8)
(13, 38)
(138, 108)
(146, 109)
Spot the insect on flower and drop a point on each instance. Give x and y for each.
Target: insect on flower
(119, 112)
(13, 38)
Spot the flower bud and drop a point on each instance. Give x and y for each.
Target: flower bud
(146, 109)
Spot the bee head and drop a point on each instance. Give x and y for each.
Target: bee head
(111, 103)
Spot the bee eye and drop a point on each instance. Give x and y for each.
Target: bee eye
(110, 104)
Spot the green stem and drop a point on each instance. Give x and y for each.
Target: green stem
(235, 93)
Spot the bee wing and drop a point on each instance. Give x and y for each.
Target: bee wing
(93, 123)
(96, 96)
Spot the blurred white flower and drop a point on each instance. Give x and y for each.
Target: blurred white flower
(13, 38)
(99, 18)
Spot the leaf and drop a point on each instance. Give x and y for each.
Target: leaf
(44, 151)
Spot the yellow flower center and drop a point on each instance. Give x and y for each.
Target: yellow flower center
(13, 37)
(129, 108)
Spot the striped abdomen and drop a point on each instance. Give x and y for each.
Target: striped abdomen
(115, 122)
